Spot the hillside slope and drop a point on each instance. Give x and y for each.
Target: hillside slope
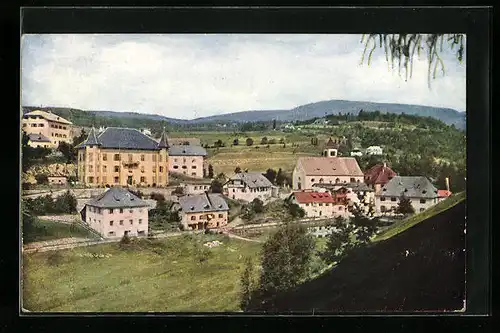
(421, 269)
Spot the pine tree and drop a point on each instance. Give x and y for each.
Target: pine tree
(210, 171)
(247, 284)
(404, 206)
(280, 178)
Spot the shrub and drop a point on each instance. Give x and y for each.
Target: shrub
(249, 141)
(42, 179)
(157, 196)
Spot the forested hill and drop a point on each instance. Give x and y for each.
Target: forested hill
(300, 113)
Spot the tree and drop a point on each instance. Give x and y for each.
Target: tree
(280, 178)
(404, 206)
(257, 205)
(68, 152)
(286, 258)
(158, 197)
(247, 284)
(296, 211)
(274, 124)
(249, 141)
(218, 143)
(263, 141)
(402, 47)
(42, 178)
(237, 170)
(339, 242)
(204, 173)
(65, 203)
(236, 142)
(216, 186)
(271, 175)
(365, 227)
(210, 171)
(79, 139)
(282, 141)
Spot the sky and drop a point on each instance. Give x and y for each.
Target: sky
(187, 76)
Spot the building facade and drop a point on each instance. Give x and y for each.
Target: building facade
(419, 190)
(187, 160)
(52, 128)
(319, 204)
(202, 211)
(123, 157)
(196, 187)
(57, 180)
(248, 186)
(329, 169)
(116, 213)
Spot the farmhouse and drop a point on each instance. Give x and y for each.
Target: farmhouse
(116, 213)
(202, 211)
(247, 186)
(379, 175)
(329, 169)
(187, 160)
(123, 156)
(319, 204)
(419, 190)
(47, 129)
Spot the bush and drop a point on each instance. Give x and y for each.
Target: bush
(42, 179)
(249, 141)
(157, 196)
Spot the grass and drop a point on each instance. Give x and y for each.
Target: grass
(44, 230)
(407, 223)
(155, 276)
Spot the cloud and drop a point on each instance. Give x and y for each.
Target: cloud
(186, 76)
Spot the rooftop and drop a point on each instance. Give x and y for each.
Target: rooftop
(330, 166)
(120, 138)
(252, 179)
(48, 115)
(206, 202)
(310, 197)
(38, 138)
(379, 174)
(117, 197)
(187, 150)
(409, 186)
(354, 186)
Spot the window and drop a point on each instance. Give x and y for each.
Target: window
(307, 204)
(131, 211)
(337, 180)
(104, 157)
(175, 160)
(130, 157)
(41, 125)
(33, 125)
(394, 199)
(184, 160)
(121, 222)
(117, 157)
(327, 204)
(176, 167)
(422, 201)
(24, 125)
(91, 180)
(116, 180)
(154, 169)
(91, 168)
(64, 127)
(382, 198)
(143, 179)
(160, 158)
(321, 204)
(111, 233)
(142, 158)
(193, 167)
(382, 209)
(111, 223)
(99, 211)
(193, 218)
(220, 215)
(184, 167)
(117, 168)
(196, 187)
(154, 158)
(121, 210)
(131, 222)
(161, 168)
(193, 173)
(312, 180)
(140, 221)
(352, 180)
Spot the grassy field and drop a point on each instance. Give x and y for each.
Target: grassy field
(163, 275)
(48, 230)
(407, 223)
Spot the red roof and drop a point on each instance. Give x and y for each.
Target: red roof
(309, 197)
(443, 193)
(379, 174)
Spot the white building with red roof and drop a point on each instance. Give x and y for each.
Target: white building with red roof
(320, 204)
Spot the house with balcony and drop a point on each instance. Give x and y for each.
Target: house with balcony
(116, 213)
(202, 211)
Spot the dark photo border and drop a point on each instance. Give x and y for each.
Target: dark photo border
(475, 22)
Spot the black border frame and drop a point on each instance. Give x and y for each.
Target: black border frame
(475, 22)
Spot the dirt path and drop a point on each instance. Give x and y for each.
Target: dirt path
(242, 238)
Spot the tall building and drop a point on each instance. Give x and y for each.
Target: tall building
(46, 129)
(187, 160)
(123, 156)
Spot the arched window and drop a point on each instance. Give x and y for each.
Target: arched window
(321, 180)
(337, 180)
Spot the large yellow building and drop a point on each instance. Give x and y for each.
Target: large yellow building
(123, 156)
(45, 129)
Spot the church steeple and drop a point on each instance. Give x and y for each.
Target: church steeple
(163, 143)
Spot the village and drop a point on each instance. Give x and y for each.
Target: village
(116, 164)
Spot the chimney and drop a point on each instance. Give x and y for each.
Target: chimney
(385, 165)
(447, 180)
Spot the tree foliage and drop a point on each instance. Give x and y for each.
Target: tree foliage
(210, 171)
(249, 141)
(216, 186)
(402, 48)
(404, 206)
(248, 284)
(271, 175)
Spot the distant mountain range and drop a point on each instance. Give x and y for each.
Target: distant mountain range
(303, 112)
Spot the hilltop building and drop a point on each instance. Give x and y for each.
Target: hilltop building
(249, 185)
(418, 189)
(187, 160)
(379, 175)
(45, 129)
(329, 169)
(202, 211)
(116, 213)
(123, 156)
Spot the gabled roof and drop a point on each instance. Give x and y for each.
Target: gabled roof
(163, 143)
(206, 202)
(252, 179)
(330, 166)
(332, 144)
(312, 197)
(117, 197)
(38, 138)
(379, 174)
(187, 151)
(414, 187)
(121, 138)
(48, 115)
(444, 193)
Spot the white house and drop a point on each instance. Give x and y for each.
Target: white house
(249, 185)
(374, 150)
